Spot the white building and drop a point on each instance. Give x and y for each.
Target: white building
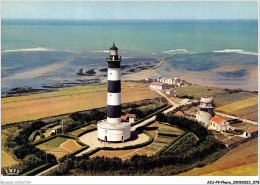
(170, 81)
(56, 129)
(169, 91)
(218, 124)
(206, 110)
(159, 85)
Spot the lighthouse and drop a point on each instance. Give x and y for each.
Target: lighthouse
(113, 129)
(206, 111)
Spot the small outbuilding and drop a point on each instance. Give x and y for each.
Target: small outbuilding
(56, 129)
(169, 91)
(129, 117)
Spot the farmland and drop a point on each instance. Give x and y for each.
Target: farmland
(55, 103)
(242, 108)
(7, 159)
(246, 170)
(241, 156)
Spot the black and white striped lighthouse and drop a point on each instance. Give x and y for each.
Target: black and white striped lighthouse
(114, 86)
(113, 129)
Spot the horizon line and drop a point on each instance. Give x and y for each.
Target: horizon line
(26, 19)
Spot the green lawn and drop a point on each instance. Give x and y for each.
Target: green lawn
(197, 91)
(56, 142)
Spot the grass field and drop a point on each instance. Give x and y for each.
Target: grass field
(246, 170)
(197, 91)
(241, 156)
(59, 146)
(52, 144)
(7, 159)
(59, 102)
(242, 108)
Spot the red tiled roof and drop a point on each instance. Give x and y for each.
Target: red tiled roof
(130, 115)
(123, 117)
(198, 112)
(253, 129)
(158, 83)
(217, 119)
(179, 113)
(168, 90)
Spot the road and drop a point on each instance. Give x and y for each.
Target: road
(45, 171)
(234, 117)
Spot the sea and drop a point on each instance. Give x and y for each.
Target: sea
(45, 54)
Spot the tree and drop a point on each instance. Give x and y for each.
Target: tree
(161, 117)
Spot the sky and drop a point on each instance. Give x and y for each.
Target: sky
(89, 10)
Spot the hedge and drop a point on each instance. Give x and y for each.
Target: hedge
(170, 144)
(38, 169)
(167, 134)
(151, 115)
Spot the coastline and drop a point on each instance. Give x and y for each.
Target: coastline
(204, 78)
(143, 70)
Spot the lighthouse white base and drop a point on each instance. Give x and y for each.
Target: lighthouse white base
(116, 132)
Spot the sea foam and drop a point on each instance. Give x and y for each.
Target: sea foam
(33, 50)
(177, 51)
(241, 51)
(27, 49)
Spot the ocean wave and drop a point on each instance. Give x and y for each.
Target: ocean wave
(101, 51)
(241, 51)
(105, 51)
(33, 50)
(177, 51)
(27, 49)
(127, 57)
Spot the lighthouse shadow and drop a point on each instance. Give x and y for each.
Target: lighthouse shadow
(134, 135)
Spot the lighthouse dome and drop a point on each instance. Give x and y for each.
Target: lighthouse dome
(114, 47)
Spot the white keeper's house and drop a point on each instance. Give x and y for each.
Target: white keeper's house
(218, 124)
(170, 81)
(159, 85)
